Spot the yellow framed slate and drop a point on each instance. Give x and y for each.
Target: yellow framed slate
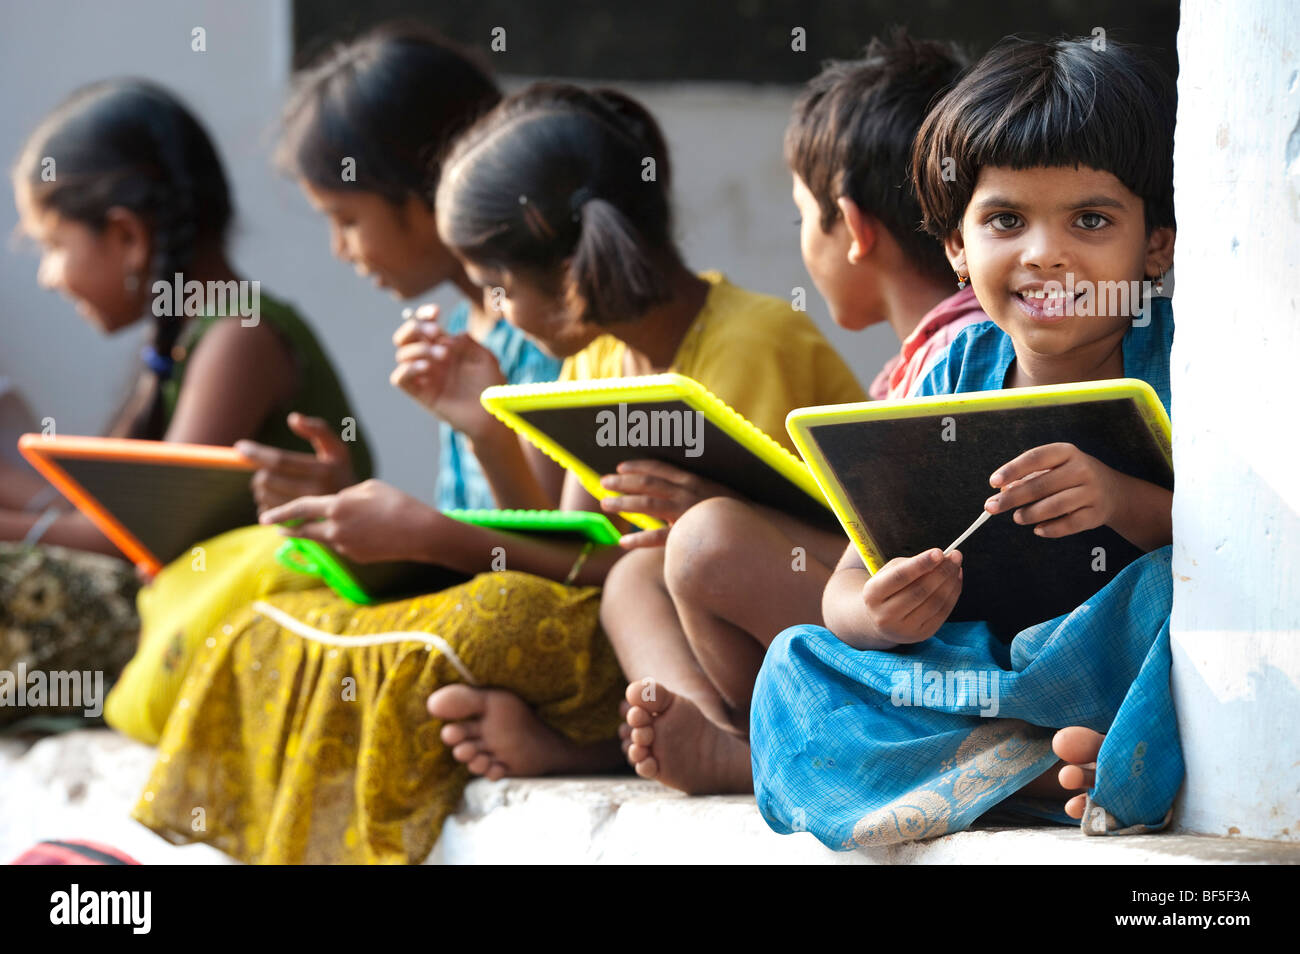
(588, 427)
(904, 476)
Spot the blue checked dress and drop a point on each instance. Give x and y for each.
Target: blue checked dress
(461, 482)
(836, 754)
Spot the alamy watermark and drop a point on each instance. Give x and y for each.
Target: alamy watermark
(59, 689)
(660, 428)
(1087, 299)
(947, 688)
(179, 298)
(133, 909)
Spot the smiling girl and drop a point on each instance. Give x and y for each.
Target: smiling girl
(1063, 179)
(121, 186)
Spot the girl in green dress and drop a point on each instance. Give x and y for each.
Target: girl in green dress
(124, 191)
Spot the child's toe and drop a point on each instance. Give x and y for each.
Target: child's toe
(466, 751)
(1076, 777)
(454, 733)
(1074, 807)
(1077, 744)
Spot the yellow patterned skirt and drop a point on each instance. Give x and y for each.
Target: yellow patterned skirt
(180, 608)
(288, 746)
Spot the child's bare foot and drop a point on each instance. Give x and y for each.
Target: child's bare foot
(1078, 746)
(624, 730)
(496, 734)
(674, 742)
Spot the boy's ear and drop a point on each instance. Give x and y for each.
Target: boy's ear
(954, 246)
(862, 229)
(1160, 252)
(129, 236)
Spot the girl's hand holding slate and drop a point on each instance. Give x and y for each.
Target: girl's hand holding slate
(656, 489)
(287, 475)
(445, 373)
(368, 523)
(1061, 490)
(909, 598)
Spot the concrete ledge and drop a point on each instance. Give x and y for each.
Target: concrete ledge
(83, 785)
(623, 821)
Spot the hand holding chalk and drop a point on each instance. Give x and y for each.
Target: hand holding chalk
(909, 598)
(979, 521)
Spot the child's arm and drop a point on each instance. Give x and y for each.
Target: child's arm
(905, 602)
(235, 378)
(446, 374)
(1062, 490)
(373, 522)
(19, 485)
(512, 472)
(72, 530)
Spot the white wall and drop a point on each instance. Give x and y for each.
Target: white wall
(732, 195)
(1236, 616)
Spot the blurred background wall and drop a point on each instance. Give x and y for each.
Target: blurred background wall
(721, 78)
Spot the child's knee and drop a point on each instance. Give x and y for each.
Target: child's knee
(706, 545)
(626, 585)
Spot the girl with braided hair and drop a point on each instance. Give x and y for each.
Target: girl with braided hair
(121, 187)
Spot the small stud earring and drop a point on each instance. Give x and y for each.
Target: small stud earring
(961, 281)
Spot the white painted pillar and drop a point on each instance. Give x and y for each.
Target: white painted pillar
(1236, 412)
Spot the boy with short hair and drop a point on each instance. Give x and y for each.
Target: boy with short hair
(735, 574)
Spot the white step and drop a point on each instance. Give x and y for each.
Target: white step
(82, 785)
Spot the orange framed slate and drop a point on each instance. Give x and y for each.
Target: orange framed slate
(153, 499)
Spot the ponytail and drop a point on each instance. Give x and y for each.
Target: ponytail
(556, 174)
(612, 274)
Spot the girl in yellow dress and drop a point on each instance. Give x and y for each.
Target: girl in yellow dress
(312, 730)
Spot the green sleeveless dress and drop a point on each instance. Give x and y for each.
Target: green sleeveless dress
(319, 392)
(66, 610)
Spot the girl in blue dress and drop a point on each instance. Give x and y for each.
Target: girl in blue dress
(1048, 167)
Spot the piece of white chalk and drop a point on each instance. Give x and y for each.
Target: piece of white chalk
(969, 530)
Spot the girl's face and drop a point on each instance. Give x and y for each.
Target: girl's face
(93, 268)
(395, 245)
(1079, 228)
(541, 315)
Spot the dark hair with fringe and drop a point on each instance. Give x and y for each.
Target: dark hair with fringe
(1030, 103)
(852, 130)
(557, 173)
(392, 100)
(131, 144)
